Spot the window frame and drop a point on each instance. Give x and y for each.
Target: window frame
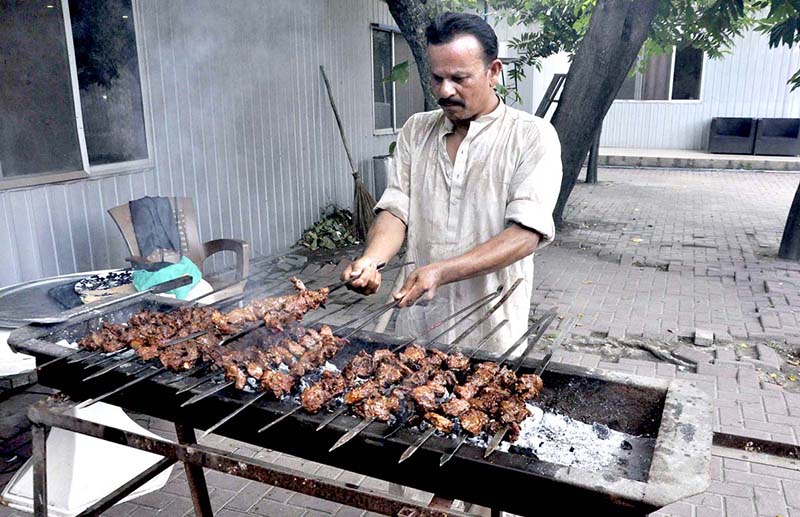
(394, 130)
(93, 171)
(699, 100)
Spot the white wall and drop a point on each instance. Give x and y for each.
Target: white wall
(240, 123)
(750, 82)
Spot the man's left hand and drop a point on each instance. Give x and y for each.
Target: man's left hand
(421, 284)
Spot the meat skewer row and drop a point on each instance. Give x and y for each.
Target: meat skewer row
(427, 386)
(482, 376)
(275, 312)
(152, 328)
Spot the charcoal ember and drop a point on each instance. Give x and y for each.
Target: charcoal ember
(523, 451)
(601, 431)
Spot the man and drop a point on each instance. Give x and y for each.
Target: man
(473, 189)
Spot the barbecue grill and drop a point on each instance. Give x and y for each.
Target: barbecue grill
(665, 457)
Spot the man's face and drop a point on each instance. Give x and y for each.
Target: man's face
(462, 82)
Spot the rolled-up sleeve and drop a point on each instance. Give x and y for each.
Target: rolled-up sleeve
(396, 197)
(536, 183)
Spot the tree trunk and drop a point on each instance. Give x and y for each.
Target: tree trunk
(413, 17)
(790, 243)
(616, 32)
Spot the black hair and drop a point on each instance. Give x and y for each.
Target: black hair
(448, 26)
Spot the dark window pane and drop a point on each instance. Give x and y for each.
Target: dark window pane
(38, 132)
(655, 80)
(381, 68)
(688, 72)
(108, 76)
(628, 89)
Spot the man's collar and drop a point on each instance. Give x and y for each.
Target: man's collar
(480, 122)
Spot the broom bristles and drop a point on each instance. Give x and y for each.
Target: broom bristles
(363, 206)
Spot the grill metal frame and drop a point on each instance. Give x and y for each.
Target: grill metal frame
(679, 468)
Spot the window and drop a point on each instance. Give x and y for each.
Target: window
(393, 101)
(674, 76)
(70, 91)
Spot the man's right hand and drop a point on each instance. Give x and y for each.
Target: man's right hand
(366, 279)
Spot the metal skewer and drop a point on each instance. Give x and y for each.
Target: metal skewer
(229, 417)
(137, 380)
(114, 366)
(201, 396)
(200, 381)
(499, 435)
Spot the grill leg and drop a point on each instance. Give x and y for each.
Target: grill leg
(194, 475)
(39, 442)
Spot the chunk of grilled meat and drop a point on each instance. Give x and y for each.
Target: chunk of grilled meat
(444, 378)
(425, 396)
(473, 421)
(512, 410)
(383, 354)
(440, 422)
(435, 359)
(489, 398)
(371, 388)
(413, 355)
(387, 374)
(457, 362)
(359, 366)
(528, 386)
(316, 396)
(506, 377)
(455, 407)
(235, 374)
(278, 383)
(379, 407)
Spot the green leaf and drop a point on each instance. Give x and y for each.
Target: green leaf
(392, 147)
(399, 73)
(327, 243)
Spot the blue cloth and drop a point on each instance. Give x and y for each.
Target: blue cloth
(143, 279)
(154, 225)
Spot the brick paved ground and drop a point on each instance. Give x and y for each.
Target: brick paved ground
(653, 254)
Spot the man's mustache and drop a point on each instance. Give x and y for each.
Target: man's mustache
(450, 102)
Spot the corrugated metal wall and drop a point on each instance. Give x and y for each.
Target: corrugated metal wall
(240, 123)
(750, 82)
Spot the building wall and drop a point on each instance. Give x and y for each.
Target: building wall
(750, 82)
(239, 122)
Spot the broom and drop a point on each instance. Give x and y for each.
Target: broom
(363, 202)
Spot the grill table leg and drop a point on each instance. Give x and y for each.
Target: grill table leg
(194, 475)
(39, 443)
